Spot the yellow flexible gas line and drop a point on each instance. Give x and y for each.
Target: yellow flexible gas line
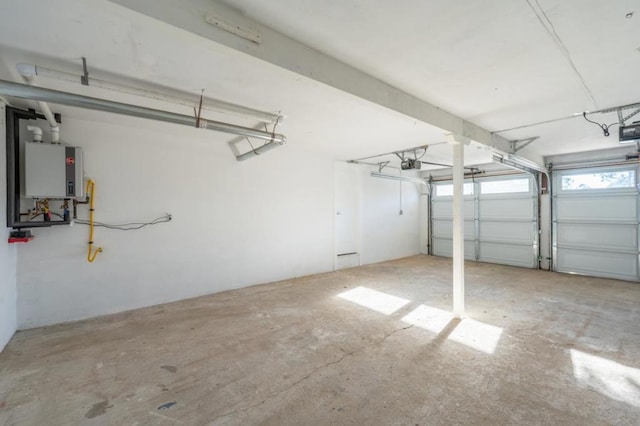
(91, 256)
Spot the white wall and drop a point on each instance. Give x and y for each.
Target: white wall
(234, 224)
(385, 233)
(367, 216)
(7, 252)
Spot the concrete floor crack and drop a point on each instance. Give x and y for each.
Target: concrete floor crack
(323, 366)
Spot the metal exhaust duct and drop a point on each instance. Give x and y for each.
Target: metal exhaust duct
(69, 99)
(30, 71)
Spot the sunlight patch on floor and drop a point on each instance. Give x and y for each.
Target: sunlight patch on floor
(375, 300)
(474, 334)
(614, 380)
(428, 318)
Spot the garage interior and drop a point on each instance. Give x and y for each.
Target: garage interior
(246, 212)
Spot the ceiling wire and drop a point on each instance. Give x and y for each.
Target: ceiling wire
(551, 31)
(553, 120)
(524, 126)
(604, 127)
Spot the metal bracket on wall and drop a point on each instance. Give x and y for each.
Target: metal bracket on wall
(619, 110)
(382, 165)
(518, 144)
(84, 79)
(622, 119)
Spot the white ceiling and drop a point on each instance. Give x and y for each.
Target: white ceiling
(492, 63)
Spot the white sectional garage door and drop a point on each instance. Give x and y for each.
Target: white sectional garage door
(596, 222)
(500, 220)
(442, 220)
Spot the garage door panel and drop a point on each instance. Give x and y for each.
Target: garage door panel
(505, 224)
(618, 208)
(444, 229)
(443, 209)
(614, 265)
(504, 208)
(508, 232)
(444, 247)
(610, 236)
(507, 254)
(596, 222)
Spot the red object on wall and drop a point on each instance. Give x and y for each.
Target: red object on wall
(19, 239)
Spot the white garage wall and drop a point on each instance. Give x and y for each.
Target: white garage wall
(7, 253)
(234, 224)
(368, 220)
(385, 233)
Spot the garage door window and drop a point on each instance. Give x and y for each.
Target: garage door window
(504, 186)
(600, 180)
(447, 190)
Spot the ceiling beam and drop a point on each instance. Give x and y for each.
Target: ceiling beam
(285, 52)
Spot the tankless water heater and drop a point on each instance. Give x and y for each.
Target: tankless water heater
(53, 171)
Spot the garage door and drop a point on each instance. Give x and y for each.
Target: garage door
(500, 220)
(442, 220)
(596, 222)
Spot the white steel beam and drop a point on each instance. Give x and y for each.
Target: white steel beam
(458, 143)
(282, 51)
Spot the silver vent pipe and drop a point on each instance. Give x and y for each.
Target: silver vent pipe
(29, 71)
(40, 94)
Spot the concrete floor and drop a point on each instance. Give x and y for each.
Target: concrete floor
(567, 351)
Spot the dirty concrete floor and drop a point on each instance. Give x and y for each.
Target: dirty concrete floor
(559, 349)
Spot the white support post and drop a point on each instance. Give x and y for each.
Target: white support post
(458, 142)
